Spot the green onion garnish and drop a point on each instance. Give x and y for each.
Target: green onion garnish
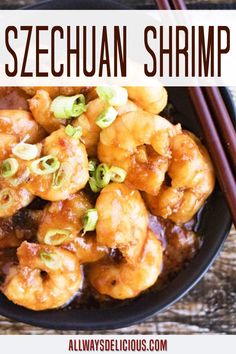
(25, 151)
(6, 198)
(117, 174)
(51, 260)
(45, 165)
(56, 236)
(106, 118)
(113, 95)
(58, 178)
(64, 107)
(102, 175)
(9, 167)
(73, 132)
(90, 220)
(92, 165)
(93, 185)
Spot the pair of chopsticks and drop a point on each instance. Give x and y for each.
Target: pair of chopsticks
(216, 125)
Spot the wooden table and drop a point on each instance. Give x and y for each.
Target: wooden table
(209, 308)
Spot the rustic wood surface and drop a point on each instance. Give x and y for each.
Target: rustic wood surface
(209, 308)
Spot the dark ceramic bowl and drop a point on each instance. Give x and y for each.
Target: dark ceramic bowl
(214, 225)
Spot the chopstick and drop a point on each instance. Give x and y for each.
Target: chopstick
(223, 169)
(223, 121)
(221, 114)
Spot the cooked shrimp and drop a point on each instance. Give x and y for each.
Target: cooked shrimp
(72, 174)
(192, 181)
(21, 226)
(25, 285)
(14, 192)
(64, 216)
(40, 107)
(151, 99)
(90, 130)
(147, 170)
(20, 124)
(124, 280)
(124, 144)
(86, 248)
(13, 199)
(7, 142)
(122, 220)
(87, 121)
(53, 91)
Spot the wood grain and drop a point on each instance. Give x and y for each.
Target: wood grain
(209, 308)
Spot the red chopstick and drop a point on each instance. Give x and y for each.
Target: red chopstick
(223, 169)
(163, 4)
(223, 121)
(219, 158)
(221, 115)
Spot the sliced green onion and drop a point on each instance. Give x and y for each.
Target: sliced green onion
(21, 179)
(102, 175)
(58, 179)
(90, 220)
(74, 132)
(6, 198)
(93, 185)
(65, 107)
(106, 118)
(50, 163)
(51, 260)
(56, 236)
(25, 151)
(92, 165)
(9, 167)
(114, 95)
(45, 165)
(61, 176)
(117, 174)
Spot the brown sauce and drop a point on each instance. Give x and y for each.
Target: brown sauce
(7, 258)
(180, 243)
(13, 98)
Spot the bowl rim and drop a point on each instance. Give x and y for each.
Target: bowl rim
(29, 317)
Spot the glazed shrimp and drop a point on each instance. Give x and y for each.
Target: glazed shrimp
(63, 222)
(151, 99)
(139, 143)
(21, 226)
(90, 130)
(14, 192)
(20, 124)
(7, 142)
(40, 107)
(192, 181)
(64, 216)
(86, 248)
(72, 175)
(122, 220)
(87, 121)
(25, 285)
(124, 280)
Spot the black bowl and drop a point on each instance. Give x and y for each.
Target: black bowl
(214, 225)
